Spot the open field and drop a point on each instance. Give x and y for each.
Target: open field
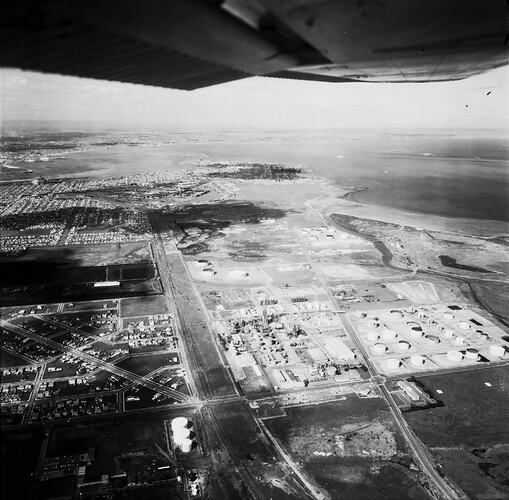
(141, 306)
(248, 449)
(19, 454)
(469, 434)
(144, 364)
(351, 448)
(474, 414)
(8, 359)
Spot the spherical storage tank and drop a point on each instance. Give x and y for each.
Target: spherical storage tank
(454, 356)
(179, 423)
(417, 360)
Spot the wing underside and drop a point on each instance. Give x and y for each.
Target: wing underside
(189, 44)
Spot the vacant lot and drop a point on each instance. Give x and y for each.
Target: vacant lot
(142, 306)
(351, 448)
(8, 359)
(142, 365)
(474, 414)
(469, 435)
(19, 453)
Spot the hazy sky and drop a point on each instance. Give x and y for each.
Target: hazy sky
(261, 103)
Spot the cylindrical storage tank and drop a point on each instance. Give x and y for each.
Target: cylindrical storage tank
(372, 336)
(397, 313)
(432, 339)
(403, 345)
(331, 371)
(459, 340)
(379, 348)
(454, 356)
(416, 334)
(187, 445)
(389, 334)
(179, 422)
(417, 360)
(472, 353)
(392, 364)
(448, 316)
(497, 350)
(463, 325)
(449, 334)
(180, 434)
(484, 336)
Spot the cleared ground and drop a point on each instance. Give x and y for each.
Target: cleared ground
(469, 434)
(351, 448)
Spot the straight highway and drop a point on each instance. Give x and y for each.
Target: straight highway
(178, 396)
(419, 451)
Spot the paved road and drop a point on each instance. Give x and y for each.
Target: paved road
(419, 451)
(178, 396)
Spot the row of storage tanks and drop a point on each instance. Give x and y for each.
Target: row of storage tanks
(472, 354)
(183, 436)
(388, 335)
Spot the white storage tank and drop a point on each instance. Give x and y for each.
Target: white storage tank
(459, 340)
(389, 335)
(372, 336)
(181, 434)
(449, 334)
(432, 339)
(392, 364)
(448, 316)
(379, 348)
(403, 345)
(463, 325)
(472, 354)
(497, 350)
(179, 423)
(187, 445)
(454, 356)
(416, 334)
(417, 360)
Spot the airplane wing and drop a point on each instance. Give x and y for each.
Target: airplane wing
(189, 44)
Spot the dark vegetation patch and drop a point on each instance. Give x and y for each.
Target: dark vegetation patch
(354, 477)
(447, 261)
(142, 365)
(252, 171)
(196, 225)
(58, 277)
(19, 453)
(139, 306)
(8, 359)
(472, 414)
(494, 297)
(469, 435)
